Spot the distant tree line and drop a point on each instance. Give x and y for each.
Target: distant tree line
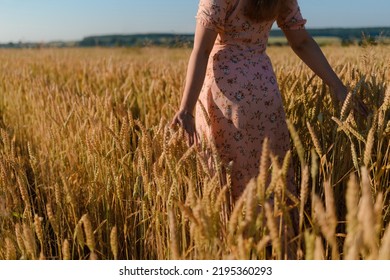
(138, 40)
(349, 35)
(346, 35)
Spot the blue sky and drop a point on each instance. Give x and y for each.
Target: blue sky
(48, 20)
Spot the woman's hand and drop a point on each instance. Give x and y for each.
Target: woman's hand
(341, 93)
(196, 71)
(186, 120)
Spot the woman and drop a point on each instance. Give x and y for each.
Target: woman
(231, 77)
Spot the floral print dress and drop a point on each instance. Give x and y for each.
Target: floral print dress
(240, 93)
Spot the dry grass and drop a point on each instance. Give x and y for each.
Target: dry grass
(89, 168)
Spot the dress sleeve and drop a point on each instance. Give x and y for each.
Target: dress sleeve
(290, 17)
(212, 14)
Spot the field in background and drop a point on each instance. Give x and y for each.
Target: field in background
(322, 41)
(89, 168)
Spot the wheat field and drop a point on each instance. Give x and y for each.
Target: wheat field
(90, 169)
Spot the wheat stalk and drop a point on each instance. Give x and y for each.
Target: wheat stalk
(369, 146)
(384, 252)
(314, 137)
(66, 250)
(304, 194)
(352, 240)
(173, 235)
(114, 242)
(327, 230)
(297, 142)
(10, 250)
(264, 166)
(366, 216)
(29, 241)
(273, 230)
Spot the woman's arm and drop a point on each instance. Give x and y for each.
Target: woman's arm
(196, 71)
(203, 44)
(308, 50)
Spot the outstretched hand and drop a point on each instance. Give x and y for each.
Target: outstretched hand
(355, 103)
(187, 121)
(359, 106)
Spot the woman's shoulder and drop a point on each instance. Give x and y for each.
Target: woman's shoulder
(289, 15)
(220, 3)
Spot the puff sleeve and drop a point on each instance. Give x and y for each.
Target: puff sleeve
(290, 17)
(212, 14)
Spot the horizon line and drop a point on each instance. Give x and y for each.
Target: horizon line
(167, 33)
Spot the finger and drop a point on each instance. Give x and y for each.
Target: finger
(173, 123)
(196, 139)
(362, 108)
(190, 140)
(193, 138)
(189, 137)
(365, 108)
(356, 105)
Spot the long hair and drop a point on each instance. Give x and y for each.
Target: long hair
(262, 10)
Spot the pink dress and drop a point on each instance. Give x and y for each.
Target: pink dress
(240, 91)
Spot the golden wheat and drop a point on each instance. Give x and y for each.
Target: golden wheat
(87, 131)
